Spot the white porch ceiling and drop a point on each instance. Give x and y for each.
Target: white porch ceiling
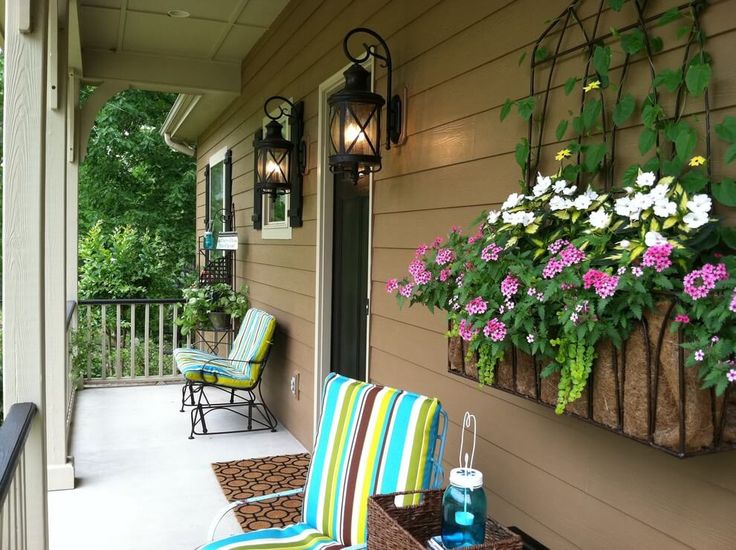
(139, 41)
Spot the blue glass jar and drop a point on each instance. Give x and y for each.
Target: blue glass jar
(464, 509)
(209, 240)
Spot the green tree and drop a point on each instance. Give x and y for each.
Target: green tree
(132, 183)
(123, 263)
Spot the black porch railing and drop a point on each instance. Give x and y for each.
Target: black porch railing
(13, 436)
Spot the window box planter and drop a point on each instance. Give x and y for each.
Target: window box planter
(643, 391)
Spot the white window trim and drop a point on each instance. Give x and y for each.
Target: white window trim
(216, 158)
(277, 230)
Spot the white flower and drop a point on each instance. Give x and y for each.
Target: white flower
(695, 219)
(513, 200)
(559, 203)
(569, 190)
(624, 244)
(659, 191)
(525, 218)
(600, 219)
(509, 217)
(582, 202)
(629, 190)
(645, 179)
(664, 208)
(559, 186)
(700, 204)
(642, 201)
(543, 185)
(592, 195)
(652, 238)
(493, 216)
(622, 206)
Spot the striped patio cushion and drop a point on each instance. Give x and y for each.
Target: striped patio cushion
(200, 366)
(371, 439)
(250, 347)
(294, 537)
(251, 344)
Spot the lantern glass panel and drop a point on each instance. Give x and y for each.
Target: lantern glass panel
(273, 166)
(360, 131)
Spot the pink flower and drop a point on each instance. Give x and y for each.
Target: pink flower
(530, 338)
(509, 286)
(392, 285)
(699, 282)
(684, 319)
(416, 267)
(456, 229)
(437, 242)
(556, 246)
(406, 290)
(444, 274)
(732, 305)
(423, 277)
(444, 256)
(476, 306)
(570, 255)
(699, 355)
(491, 252)
(495, 329)
(731, 375)
(658, 257)
(421, 250)
(478, 235)
(466, 330)
(605, 285)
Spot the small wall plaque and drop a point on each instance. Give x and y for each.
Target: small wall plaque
(227, 240)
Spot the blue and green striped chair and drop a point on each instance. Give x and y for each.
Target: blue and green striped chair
(239, 375)
(371, 440)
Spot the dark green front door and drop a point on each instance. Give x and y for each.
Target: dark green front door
(350, 278)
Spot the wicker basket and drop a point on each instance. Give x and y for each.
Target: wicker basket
(410, 527)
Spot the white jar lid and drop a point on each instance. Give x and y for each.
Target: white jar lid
(466, 478)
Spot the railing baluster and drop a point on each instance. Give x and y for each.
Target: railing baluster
(161, 339)
(89, 332)
(175, 334)
(118, 356)
(23, 509)
(103, 357)
(132, 341)
(146, 330)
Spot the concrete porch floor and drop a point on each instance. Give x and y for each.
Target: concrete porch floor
(140, 483)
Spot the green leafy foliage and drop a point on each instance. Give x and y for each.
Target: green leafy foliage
(561, 129)
(591, 113)
(624, 109)
(206, 299)
(671, 79)
(633, 41)
(526, 107)
(698, 78)
(616, 5)
(570, 84)
(506, 109)
(521, 154)
(123, 263)
(647, 139)
(602, 60)
(725, 192)
(669, 16)
(131, 179)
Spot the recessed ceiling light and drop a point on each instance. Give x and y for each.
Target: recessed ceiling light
(179, 14)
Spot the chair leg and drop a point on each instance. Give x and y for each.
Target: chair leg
(187, 386)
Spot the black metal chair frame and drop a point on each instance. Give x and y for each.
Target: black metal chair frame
(193, 395)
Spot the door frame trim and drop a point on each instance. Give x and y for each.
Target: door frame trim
(324, 241)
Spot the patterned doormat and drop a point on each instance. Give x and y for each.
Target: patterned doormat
(241, 479)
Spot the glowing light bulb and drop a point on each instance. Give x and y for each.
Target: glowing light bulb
(353, 133)
(272, 169)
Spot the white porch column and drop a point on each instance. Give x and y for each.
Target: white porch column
(23, 229)
(60, 469)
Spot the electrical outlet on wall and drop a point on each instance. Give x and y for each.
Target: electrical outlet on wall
(294, 385)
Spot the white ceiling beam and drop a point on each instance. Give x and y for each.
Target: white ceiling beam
(159, 72)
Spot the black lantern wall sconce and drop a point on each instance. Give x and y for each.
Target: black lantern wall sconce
(355, 113)
(280, 163)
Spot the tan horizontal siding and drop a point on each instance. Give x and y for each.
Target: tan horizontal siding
(568, 484)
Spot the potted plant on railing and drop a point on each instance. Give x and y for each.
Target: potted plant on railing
(212, 306)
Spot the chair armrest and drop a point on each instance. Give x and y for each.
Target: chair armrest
(216, 360)
(221, 514)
